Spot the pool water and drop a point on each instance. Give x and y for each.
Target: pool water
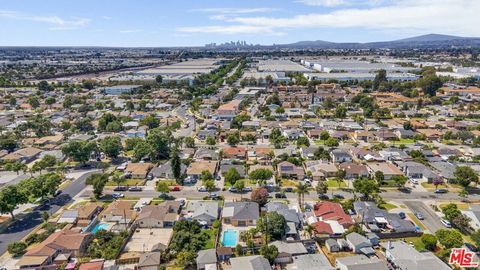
(100, 226)
(230, 238)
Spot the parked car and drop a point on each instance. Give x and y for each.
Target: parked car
(446, 223)
(246, 189)
(280, 196)
(471, 247)
(323, 197)
(117, 195)
(120, 188)
(338, 196)
(202, 189)
(288, 189)
(135, 188)
(402, 215)
(232, 189)
(150, 176)
(175, 188)
(127, 175)
(441, 190)
(419, 215)
(213, 195)
(58, 192)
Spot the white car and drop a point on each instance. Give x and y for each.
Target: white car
(118, 195)
(202, 189)
(446, 223)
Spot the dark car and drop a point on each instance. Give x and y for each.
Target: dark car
(419, 215)
(471, 247)
(120, 188)
(288, 189)
(441, 190)
(280, 196)
(323, 197)
(402, 215)
(135, 188)
(338, 196)
(58, 192)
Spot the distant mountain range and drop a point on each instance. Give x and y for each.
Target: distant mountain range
(424, 41)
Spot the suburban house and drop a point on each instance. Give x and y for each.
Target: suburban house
(358, 262)
(359, 244)
(224, 168)
(149, 261)
(138, 170)
(388, 169)
(320, 169)
(164, 171)
(317, 261)
(229, 110)
(289, 170)
(120, 213)
(194, 171)
(379, 220)
(65, 241)
(163, 215)
(288, 250)
(25, 155)
(405, 257)
(235, 153)
(290, 215)
(207, 259)
(326, 210)
(205, 212)
(353, 170)
(340, 155)
(241, 214)
(87, 212)
(255, 262)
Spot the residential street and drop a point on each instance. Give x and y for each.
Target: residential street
(22, 227)
(431, 220)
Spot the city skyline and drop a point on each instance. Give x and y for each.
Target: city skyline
(189, 23)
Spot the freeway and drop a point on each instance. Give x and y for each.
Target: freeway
(24, 225)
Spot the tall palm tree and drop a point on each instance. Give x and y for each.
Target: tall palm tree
(301, 190)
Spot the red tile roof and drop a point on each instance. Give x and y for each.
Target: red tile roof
(332, 211)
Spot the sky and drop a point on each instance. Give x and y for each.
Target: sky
(163, 23)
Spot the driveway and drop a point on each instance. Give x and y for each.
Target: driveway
(431, 220)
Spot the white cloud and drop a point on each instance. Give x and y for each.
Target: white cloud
(456, 17)
(235, 10)
(229, 30)
(326, 3)
(129, 31)
(55, 22)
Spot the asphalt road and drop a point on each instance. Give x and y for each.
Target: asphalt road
(188, 131)
(431, 220)
(22, 227)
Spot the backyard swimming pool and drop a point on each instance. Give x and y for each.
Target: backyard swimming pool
(230, 238)
(100, 226)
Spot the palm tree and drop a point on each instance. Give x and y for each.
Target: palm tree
(309, 230)
(301, 190)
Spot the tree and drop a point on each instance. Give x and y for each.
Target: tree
(366, 187)
(301, 189)
(331, 142)
(324, 135)
(159, 141)
(79, 151)
(464, 175)
(176, 165)
(449, 238)
(260, 196)
(269, 252)
(185, 259)
(111, 146)
(15, 166)
(98, 181)
(141, 150)
(84, 125)
(117, 179)
(451, 211)
(273, 224)
(206, 175)
(151, 121)
(436, 182)
(303, 141)
(379, 176)
(231, 176)
(10, 198)
(476, 237)
(239, 185)
(430, 241)
(340, 112)
(44, 86)
(233, 139)
(8, 142)
(17, 248)
(321, 188)
(462, 222)
(210, 140)
(45, 216)
(47, 184)
(189, 142)
(159, 79)
(50, 100)
(276, 138)
(260, 174)
(380, 80)
(399, 180)
(321, 154)
(210, 185)
(430, 83)
(33, 101)
(163, 187)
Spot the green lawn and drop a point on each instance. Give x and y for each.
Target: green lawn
(417, 242)
(288, 183)
(431, 186)
(388, 206)
(127, 182)
(404, 141)
(319, 142)
(461, 206)
(211, 241)
(336, 184)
